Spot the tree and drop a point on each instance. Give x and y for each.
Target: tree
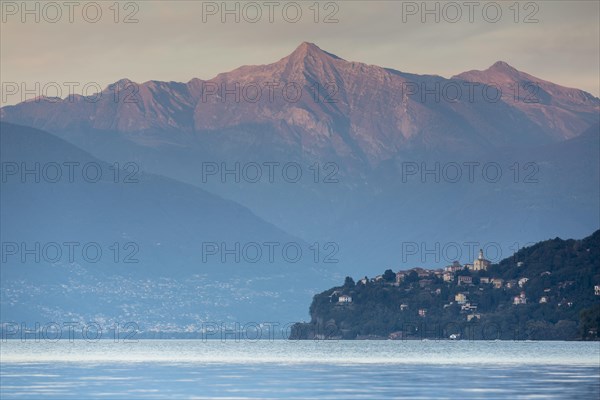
(412, 277)
(349, 282)
(590, 323)
(389, 275)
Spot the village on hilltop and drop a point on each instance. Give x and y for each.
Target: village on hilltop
(459, 275)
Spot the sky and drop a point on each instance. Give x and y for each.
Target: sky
(97, 43)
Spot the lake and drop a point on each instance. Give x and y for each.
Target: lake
(279, 369)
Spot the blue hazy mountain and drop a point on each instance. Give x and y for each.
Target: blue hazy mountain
(150, 231)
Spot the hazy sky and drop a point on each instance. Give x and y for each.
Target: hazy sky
(180, 40)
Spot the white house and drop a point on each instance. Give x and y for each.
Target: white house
(460, 298)
(454, 267)
(523, 281)
(345, 299)
(400, 277)
(465, 280)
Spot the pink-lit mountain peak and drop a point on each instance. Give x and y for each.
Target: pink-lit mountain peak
(309, 56)
(307, 49)
(502, 66)
(500, 71)
(306, 58)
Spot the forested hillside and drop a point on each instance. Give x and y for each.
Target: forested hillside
(549, 291)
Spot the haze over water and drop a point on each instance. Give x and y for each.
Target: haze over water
(196, 369)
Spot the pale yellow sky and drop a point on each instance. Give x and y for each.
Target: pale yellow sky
(180, 40)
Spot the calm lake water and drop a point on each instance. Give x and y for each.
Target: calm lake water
(213, 369)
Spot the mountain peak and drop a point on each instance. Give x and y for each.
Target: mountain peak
(123, 83)
(306, 48)
(503, 67)
(499, 71)
(311, 50)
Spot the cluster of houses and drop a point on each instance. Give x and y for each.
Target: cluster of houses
(449, 272)
(465, 306)
(448, 275)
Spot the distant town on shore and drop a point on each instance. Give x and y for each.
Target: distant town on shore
(548, 291)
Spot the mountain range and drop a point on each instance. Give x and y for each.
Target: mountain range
(316, 105)
(355, 131)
